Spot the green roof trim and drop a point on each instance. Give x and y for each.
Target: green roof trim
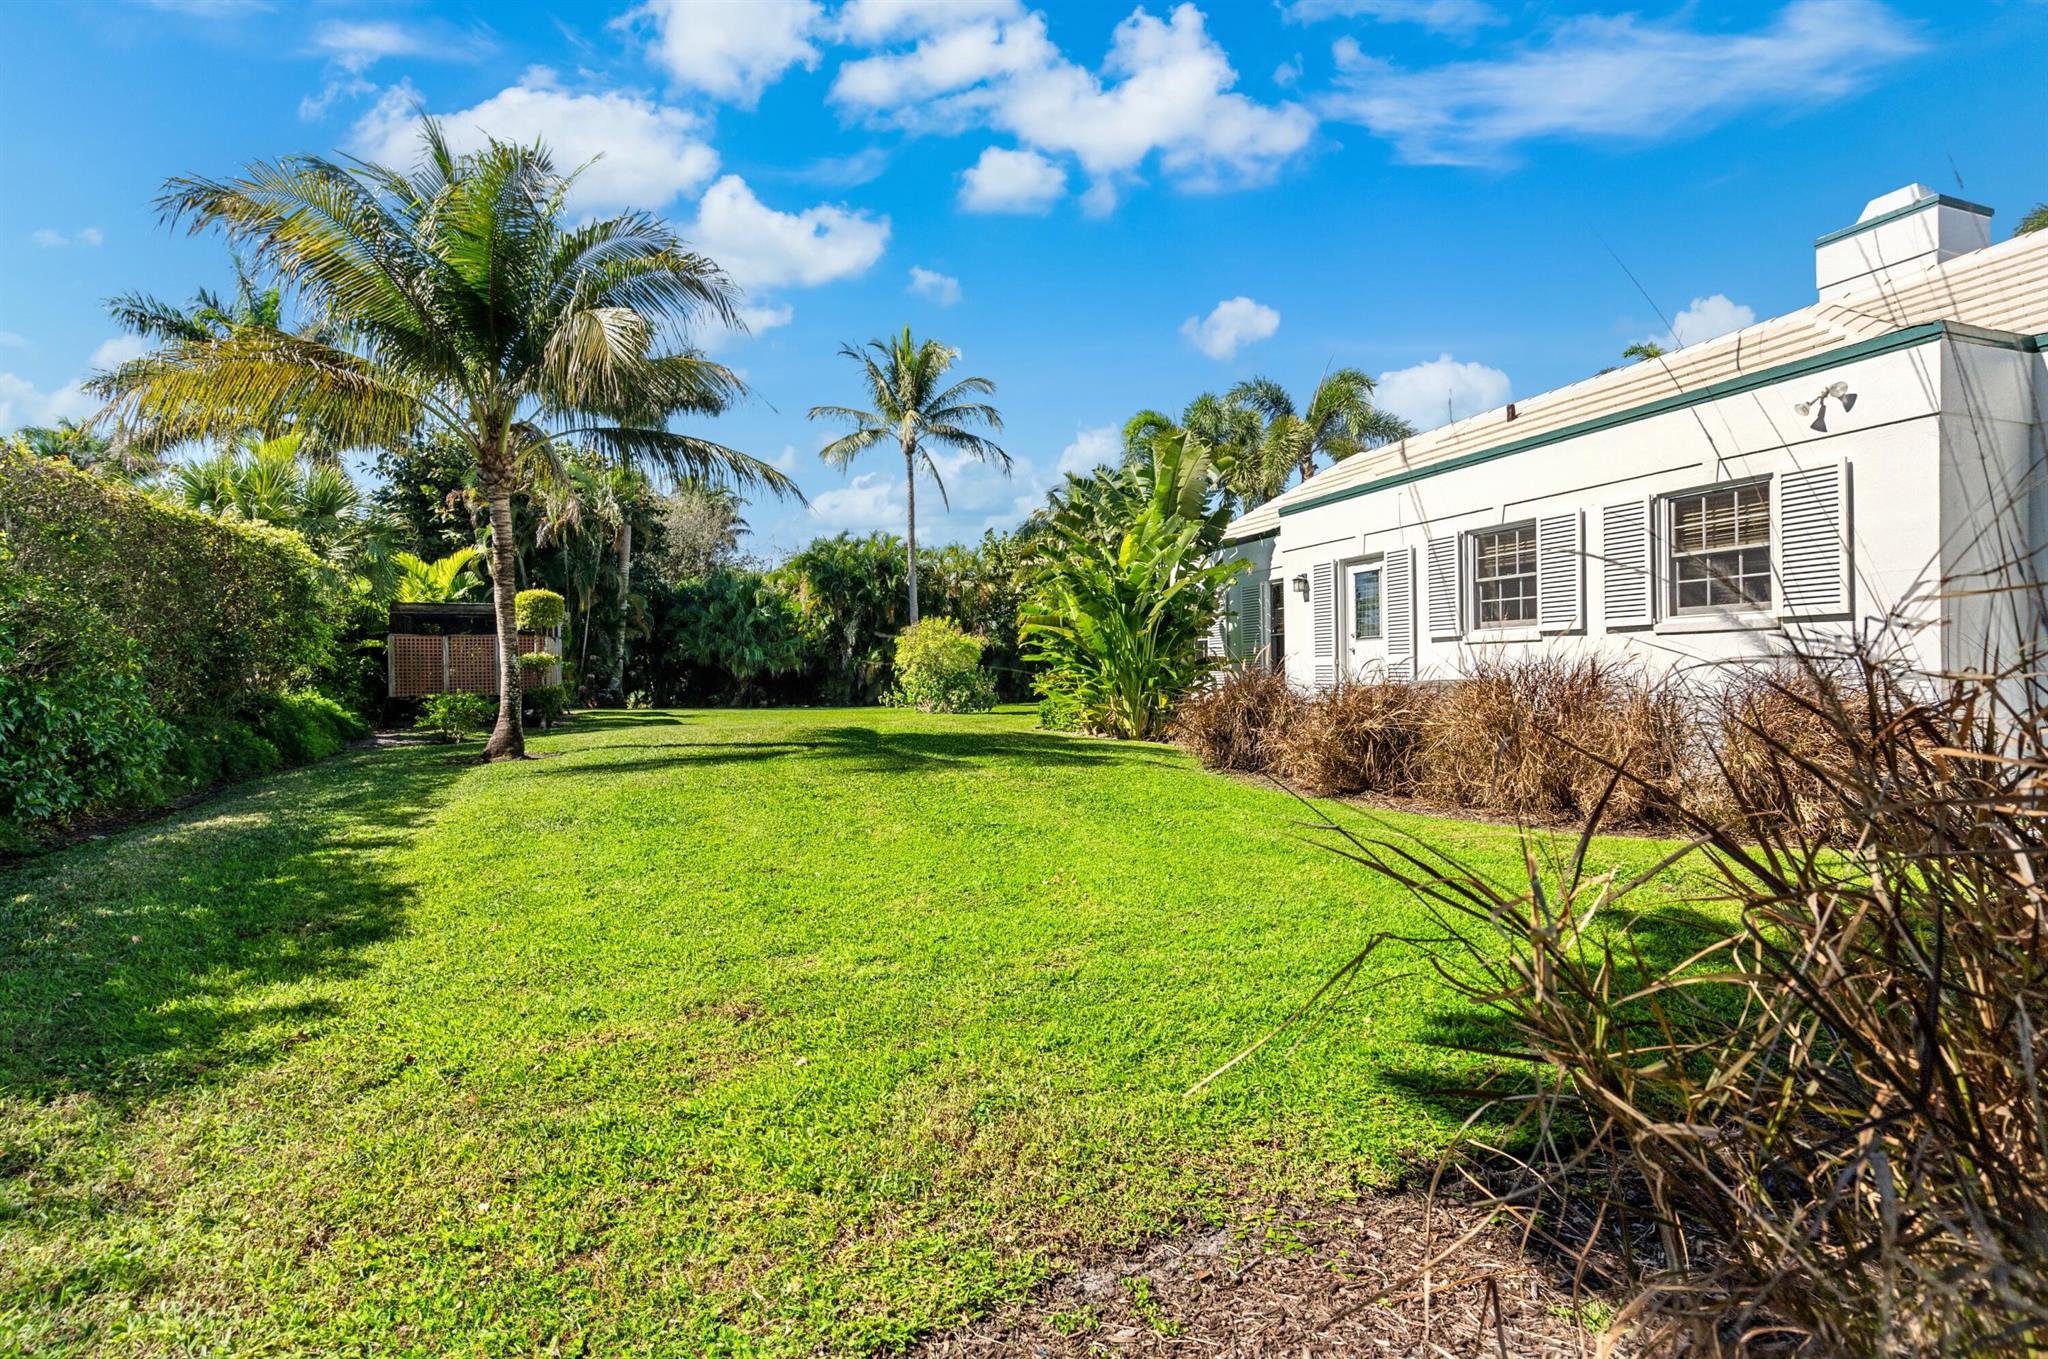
(1908, 338)
(1252, 538)
(1844, 233)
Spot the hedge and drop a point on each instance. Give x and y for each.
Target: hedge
(216, 609)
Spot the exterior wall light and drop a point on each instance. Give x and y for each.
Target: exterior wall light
(1301, 586)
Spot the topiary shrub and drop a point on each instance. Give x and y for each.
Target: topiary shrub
(538, 610)
(455, 716)
(546, 703)
(938, 670)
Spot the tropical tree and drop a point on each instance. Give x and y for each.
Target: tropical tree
(445, 580)
(2037, 220)
(701, 527)
(1337, 421)
(914, 406)
(1643, 349)
(272, 481)
(458, 301)
(739, 622)
(1126, 590)
(86, 448)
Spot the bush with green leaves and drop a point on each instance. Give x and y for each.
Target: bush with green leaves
(545, 704)
(1124, 593)
(740, 623)
(303, 726)
(938, 669)
(217, 609)
(210, 750)
(77, 729)
(538, 610)
(452, 717)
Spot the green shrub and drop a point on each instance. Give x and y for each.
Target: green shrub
(938, 670)
(455, 716)
(77, 729)
(211, 750)
(304, 726)
(537, 610)
(1059, 707)
(215, 608)
(547, 703)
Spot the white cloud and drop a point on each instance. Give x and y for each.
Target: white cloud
(23, 403)
(763, 248)
(869, 22)
(1441, 390)
(50, 238)
(730, 49)
(1705, 318)
(1091, 448)
(1165, 90)
(356, 45)
(943, 289)
(870, 501)
(650, 152)
(1619, 78)
(1442, 16)
(1230, 326)
(10, 340)
(766, 315)
(1011, 181)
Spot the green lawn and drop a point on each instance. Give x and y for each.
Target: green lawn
(722, 1033)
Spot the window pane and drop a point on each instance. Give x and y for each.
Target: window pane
(1720, 548)
(1365, 604)
(1504, 576)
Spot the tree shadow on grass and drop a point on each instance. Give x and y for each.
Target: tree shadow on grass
(869, 750)
(178, 951)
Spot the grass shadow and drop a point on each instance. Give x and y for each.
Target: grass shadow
(869, 750)
(177, 951)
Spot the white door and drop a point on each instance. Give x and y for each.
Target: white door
(1364, 628)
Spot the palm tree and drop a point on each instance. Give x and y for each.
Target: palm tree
(912, 407)
(1338, 421)
(458, 302)
(2037, 220)
(1643, 349)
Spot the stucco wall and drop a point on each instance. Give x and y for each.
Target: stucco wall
(1937, 436)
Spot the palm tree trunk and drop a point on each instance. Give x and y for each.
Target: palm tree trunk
(618, 689)
(507, 741)
(910, 499)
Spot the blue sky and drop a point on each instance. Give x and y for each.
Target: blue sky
(1103, 207)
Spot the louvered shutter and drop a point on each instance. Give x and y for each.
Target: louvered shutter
(1443, 589)
(1560, 572)
(1397, 611)
(1322, 598)
(1811, 545)
(1627, 580)
(1250, 634)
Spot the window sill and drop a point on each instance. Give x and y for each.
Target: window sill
(1738, 620)
(1480, 636)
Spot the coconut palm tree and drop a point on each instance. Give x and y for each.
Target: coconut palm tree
(1338, 420)
(914, 406)
(457, 300)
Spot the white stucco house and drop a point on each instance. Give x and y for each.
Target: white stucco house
(1821, 473)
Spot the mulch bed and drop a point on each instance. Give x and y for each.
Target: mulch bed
(1305, 1283)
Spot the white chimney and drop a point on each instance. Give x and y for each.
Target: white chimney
(1905, 232)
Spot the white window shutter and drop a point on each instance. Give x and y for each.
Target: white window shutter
(1560, 572)
(1397, 611)
(1443, 589)
(1322, 598)
(1811, 545)
(1627, 576)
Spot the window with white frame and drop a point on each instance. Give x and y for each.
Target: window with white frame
(1504, 576)
(1365, 603)
(1720, 548)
